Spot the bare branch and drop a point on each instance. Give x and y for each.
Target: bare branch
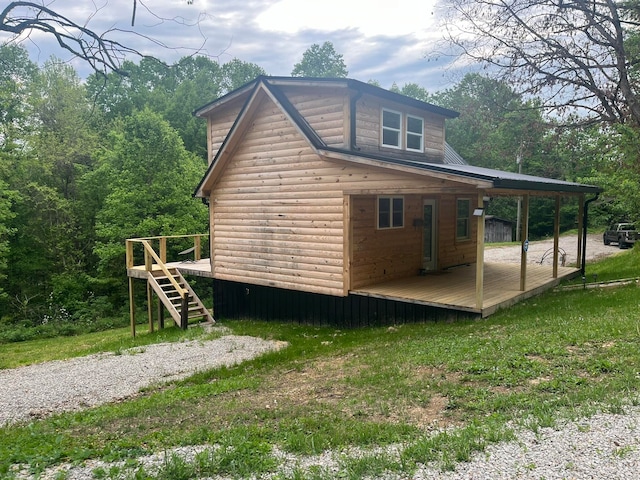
(570, 52)
(101, 51)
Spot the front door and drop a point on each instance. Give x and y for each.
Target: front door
(429, 235)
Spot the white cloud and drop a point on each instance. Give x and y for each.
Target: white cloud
(382, 41)
(394, 18)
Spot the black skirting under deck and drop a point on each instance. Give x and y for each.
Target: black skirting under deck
(233, 301)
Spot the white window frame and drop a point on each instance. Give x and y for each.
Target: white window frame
(392, 223)
(415, 134)
(467, 234)
(398, 131)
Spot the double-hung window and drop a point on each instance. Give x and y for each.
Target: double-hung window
(402, 131)
(391, 128)
(390, 212)
(415, 133)
(463, 217)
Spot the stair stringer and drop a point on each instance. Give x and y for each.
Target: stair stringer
(162, 295)
(194, 298)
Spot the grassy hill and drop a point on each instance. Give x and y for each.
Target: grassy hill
(434, 392)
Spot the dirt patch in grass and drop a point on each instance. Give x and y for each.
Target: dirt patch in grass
(328, 382)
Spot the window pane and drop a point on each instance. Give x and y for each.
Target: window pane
(384, 213)
(414, 142)
(463, 208)
(398, 212)
(391, 119)
(414, 125)
(390, 137)
(462, 229)
(462, 218)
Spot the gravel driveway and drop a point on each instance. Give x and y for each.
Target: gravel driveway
(542, 250)
(35, 391)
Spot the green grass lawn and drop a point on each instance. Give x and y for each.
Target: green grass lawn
(439, 390)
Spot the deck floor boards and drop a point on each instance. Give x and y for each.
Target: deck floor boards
(455, 288)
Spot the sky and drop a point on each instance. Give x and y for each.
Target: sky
(383, 41)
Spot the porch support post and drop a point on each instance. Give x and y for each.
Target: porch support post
(525, 242)
(150, 306)
(211, 234)
(556, 237)
(132, 308)
(480, 253)
(347, 252)
(581, 226)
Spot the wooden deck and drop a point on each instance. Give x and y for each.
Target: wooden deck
(455, 288)
(199, 268)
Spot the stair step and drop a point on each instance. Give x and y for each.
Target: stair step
(173, 301)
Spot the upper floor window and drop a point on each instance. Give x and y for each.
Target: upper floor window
(390, 212)
(415, 133)
(402, 131)
(463, 217)
(391, 128)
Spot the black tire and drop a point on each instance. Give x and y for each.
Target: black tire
(605, 241)
(621, 244)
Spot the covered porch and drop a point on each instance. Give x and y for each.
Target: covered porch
(455, 288)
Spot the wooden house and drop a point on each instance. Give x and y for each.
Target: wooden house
(335, 201)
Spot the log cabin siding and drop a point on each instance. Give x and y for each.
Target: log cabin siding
(324, 111)
(278, 219)
(368, 131)
(218, 126)
(384, 254)
(452, 252)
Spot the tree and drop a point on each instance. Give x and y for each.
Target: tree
(6, 215)
(146, 178)
(102, 52)
(495, 124)
(174, 91)
(412, 90)
(575, 54)
(16, 75)
(320, 61)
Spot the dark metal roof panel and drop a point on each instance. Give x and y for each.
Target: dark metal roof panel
(346, 82)
(515, 181)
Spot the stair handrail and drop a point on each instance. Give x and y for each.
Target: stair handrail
(149, 250)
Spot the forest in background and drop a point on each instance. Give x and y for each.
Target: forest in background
(88, 163)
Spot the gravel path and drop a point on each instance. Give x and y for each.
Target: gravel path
(38, 390)
(540, 249)
(603, 446)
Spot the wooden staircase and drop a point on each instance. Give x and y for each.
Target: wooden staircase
(178, 297)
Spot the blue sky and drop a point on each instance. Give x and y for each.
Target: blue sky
(382, 41)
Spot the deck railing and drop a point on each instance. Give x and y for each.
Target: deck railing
(148, 243)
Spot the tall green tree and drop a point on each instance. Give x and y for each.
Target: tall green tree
(147, 178)
(320, 61)
(16, 77)
(495, 126)
(52, 236)
(173, 91)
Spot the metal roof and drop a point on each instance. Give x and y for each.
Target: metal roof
(511, 181)
(328, 82)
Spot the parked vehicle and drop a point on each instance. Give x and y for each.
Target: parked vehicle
(624, 234)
